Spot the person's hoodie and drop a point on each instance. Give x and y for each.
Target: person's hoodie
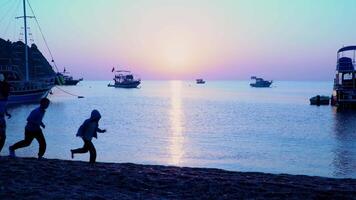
(90, 127)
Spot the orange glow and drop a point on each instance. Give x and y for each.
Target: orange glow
(175, 46)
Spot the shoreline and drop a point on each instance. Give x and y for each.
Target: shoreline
(30, 178)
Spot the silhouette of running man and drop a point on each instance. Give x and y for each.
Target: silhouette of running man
(87, 131)
(4, 94)
(33, 130)
(3, 112)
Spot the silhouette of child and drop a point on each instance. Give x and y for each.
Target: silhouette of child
(87, 131)
(33, 130)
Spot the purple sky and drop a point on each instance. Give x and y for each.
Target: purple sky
(181, 39)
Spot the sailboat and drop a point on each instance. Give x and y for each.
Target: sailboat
(27, 71)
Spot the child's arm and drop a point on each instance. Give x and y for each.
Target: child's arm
(42, 124)
(101, 130)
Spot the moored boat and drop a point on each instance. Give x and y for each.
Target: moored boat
(200, 81)
(125, 79)
(319, 100)
(260, 82)
(344, 90)
(65, 78)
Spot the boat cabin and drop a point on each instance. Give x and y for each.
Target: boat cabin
(124, 76)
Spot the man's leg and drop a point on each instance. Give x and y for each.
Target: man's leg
(23, 143)
(41, 142)
(2, 133)
(2, 138)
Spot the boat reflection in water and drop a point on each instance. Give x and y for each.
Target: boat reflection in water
(344, 161)
(176, 120)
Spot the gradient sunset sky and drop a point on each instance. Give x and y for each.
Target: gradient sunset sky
(188, 39)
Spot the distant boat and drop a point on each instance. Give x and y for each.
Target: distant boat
(200, 81)
(27, 71)
(260, 82)
(320, 100)
(344, 92)
(125, 79)
(65, 78)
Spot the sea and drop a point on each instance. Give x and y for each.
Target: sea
(220, 124)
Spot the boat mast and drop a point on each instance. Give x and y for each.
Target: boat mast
(25, 32)
(26, 50)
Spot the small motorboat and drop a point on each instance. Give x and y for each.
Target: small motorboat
(319, 100)
(125, 79)
(200, 81)
(260, 82)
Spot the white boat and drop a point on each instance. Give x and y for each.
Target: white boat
(344, 93)
(125, 79)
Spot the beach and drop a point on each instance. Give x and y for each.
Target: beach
(29, 178)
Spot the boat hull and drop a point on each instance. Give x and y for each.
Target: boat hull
(27, 97)
(125, 85)
(261, 85)
(62, 80)
(339, 100)
(71, 82)
(321, 100)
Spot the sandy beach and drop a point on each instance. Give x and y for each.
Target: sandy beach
(29, 178)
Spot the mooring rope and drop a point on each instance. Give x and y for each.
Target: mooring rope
(79, 97)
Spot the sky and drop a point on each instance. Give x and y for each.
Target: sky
(188, 39)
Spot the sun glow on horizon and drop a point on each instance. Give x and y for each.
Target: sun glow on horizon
(175, 46)
(175, 52)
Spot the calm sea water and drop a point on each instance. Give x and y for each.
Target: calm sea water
(222, 124)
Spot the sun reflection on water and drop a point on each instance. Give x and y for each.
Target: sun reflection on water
(176, 120)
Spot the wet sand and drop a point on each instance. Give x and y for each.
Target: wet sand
(28, 178)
